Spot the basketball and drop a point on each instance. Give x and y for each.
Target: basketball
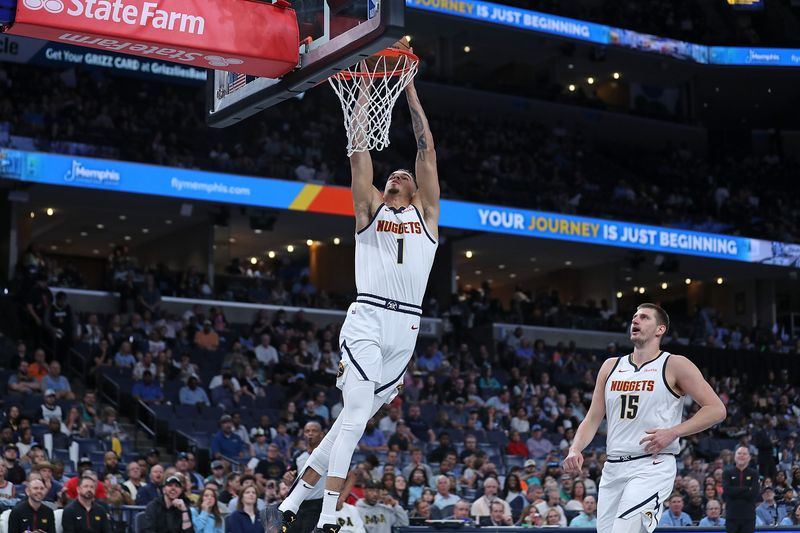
(388, 63)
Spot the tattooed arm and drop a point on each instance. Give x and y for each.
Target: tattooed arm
(427, 197)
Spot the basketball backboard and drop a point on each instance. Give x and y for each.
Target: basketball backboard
(335, 34)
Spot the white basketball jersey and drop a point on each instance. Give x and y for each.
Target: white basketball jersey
(638, 399)
(394, 255)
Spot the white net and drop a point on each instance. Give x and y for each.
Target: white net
(368, 92)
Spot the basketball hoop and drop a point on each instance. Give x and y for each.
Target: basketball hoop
(368, 92)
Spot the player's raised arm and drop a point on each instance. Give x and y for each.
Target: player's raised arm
(594, 416)
(425, 167)
(366, 197)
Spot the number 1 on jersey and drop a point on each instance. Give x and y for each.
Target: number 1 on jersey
(629, 407)
(400, 245)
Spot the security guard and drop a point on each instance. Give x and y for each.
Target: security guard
(740, 490)
(29, 514)
(85, 515)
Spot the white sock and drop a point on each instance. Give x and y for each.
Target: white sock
(328, 515)
(296, 497)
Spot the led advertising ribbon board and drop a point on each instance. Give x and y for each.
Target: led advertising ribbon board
(591, 32)
(118, 176)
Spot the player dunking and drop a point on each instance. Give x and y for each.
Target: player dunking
(641, 396)
(396, 240)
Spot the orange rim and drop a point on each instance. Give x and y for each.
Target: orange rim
(388, 52)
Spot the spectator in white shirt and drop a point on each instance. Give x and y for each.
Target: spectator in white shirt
(266, 353)
(388, 424)
(145, 363)
(444, 500)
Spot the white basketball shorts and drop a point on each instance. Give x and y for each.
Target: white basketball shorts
(635, 488)
(377, 341)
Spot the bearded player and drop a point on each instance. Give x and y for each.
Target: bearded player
(396, 240)
(641, 396)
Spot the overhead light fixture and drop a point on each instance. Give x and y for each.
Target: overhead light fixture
(145, 230)
(127, 237)
(720, 281)
(33, 215)
(100, 226)
(309, 242)
(641, 290)
(512, 275)
(664, 285)
(253, 260)
(688, 281)
(95, 251)
(257, 231)
(571, 87)
(615, 75)
(84, 234)
(50, 211)
(619, 294)
(271, 254)
(408, 38)
(468, 254)
(123, 217)
(636, 288)
(337, 241)
(478, 272)
(568, 263)
(501, 267)
(232, 240)
(590, 80)
(68, 241)
(168, 221)
(467, 49)
(290, 248)
(53, 247)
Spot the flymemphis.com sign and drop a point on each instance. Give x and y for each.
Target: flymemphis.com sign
(256, 38)
(187, 184)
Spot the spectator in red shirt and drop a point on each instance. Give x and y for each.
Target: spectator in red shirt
(516, 446)
(84, 469)
(39, 368)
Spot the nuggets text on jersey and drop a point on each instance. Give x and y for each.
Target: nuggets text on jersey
(400, 228)
(633, 386)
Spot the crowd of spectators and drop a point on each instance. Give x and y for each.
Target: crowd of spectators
(467, 438)
(141, 288)
(503, 160)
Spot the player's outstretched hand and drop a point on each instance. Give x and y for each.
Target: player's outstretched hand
(657, 439)
(573, 463)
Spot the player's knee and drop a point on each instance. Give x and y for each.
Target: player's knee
(354, 425)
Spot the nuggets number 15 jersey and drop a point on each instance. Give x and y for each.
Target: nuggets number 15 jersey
(638, 399)
(394, 255)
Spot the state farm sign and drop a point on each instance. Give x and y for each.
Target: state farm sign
(245, 36)
(149, 14)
